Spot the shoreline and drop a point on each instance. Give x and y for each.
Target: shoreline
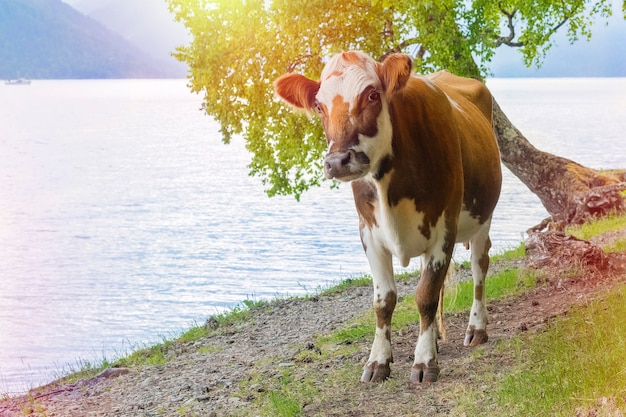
(294, 352)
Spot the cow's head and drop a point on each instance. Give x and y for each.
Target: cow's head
(352, 100)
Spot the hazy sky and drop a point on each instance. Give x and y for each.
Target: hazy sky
(607, 47)
(149, 25)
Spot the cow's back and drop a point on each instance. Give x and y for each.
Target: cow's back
(470, 89)
(479, 148)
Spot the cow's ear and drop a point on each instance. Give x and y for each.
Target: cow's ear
(297, 90)
(394, 72)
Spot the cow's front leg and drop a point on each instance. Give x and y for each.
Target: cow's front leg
(476, 332)
(425, 366)
(377, 368)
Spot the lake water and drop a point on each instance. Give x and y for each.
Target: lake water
(123, 218)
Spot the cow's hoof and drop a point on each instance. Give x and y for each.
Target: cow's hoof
(375, 372)
(475, 337)
(421, 373)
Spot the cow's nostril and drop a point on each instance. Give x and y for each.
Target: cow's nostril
(342, 164)
(347, 157)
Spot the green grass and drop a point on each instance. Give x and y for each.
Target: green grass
(578, 360)
(612, 223)
(156, 354)
(81, 370)
(505, 283)
(364, 281)
(603, 225)
(617, 246)
(240, 313)
(152, 355)
(196, 332)
(282, 404)
(457, 298)
(282, 400)
(514, 254)
(284, 393)
(293, 389)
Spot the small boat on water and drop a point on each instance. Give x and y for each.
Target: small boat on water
(17, 81)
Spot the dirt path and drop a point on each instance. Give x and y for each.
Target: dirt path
(223, 374)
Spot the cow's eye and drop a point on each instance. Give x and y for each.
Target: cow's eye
(374, 96)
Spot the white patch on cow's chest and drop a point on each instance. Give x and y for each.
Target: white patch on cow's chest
(399, 232)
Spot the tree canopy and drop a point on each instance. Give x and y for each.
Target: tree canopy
(239, 47)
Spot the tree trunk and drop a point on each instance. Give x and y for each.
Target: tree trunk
(569, 191)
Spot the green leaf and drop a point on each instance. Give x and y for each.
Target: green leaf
(239, 47)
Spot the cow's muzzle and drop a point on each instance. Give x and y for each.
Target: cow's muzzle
(346, 166)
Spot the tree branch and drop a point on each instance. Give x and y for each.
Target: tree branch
(389, 34)
(561, 23)
(405, 44)
(298, 61)
(508, 40)
(420, 52)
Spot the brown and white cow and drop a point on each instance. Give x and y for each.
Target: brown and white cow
(425, 170)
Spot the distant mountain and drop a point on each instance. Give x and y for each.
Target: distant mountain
(147, 24)
(49, 39)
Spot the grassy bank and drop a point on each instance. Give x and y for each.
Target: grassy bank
(572, 364)
(576, 366)
(578, 361)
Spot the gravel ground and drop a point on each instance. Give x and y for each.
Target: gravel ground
(201, 377)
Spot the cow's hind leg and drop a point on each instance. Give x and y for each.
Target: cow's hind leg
(377, 368)
(477, 328)
(425, 366)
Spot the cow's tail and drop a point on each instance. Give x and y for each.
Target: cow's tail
(442, 326)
